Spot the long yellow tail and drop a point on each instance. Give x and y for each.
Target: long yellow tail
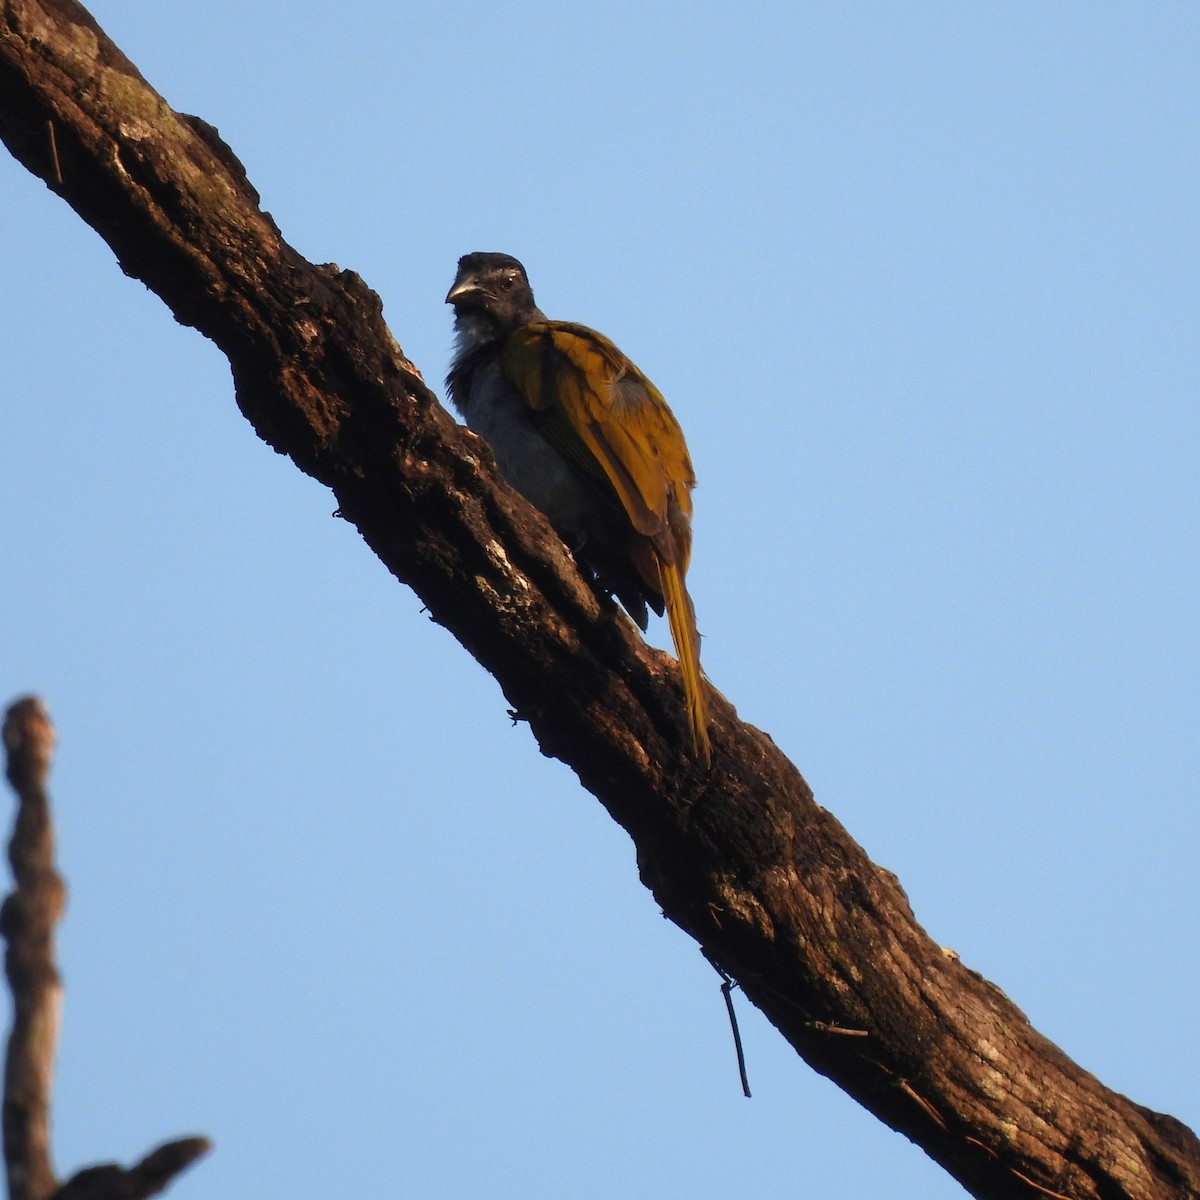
(682, 618)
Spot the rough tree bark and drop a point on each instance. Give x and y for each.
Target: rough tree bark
(774, 890)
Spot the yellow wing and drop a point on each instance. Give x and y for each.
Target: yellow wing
(604, 414)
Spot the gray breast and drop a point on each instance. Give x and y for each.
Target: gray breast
(493, 408)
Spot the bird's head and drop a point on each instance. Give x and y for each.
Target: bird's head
(492, 290)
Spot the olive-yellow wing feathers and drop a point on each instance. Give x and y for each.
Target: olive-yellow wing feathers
(604, 415)
(596, 400)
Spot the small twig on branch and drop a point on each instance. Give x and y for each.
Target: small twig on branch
(728, 983)
(112, 1182)
(27, 921)
(727, 991)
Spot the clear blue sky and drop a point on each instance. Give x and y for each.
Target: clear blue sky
(921, 283)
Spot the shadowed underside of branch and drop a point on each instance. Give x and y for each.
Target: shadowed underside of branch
(774, 890)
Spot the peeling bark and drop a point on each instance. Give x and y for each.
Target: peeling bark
(739, 856)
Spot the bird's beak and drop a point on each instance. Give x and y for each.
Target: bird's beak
(462, 288)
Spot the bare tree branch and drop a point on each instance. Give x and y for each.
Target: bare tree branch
(774, 890)
(27, 920)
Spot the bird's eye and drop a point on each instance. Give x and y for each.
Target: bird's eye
(507, 282)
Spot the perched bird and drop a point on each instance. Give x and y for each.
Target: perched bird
(583, 435)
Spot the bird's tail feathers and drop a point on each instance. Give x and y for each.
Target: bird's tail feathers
(682, 618)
